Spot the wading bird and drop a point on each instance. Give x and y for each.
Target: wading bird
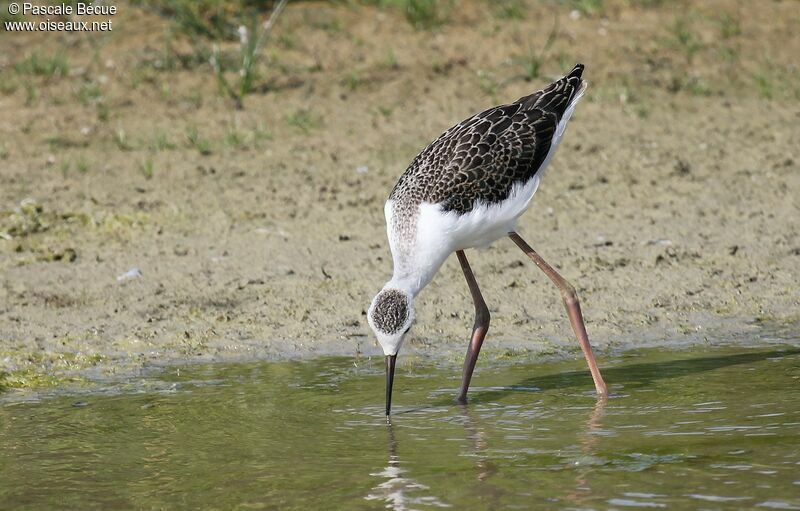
(467, 189)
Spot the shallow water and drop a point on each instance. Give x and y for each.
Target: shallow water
(713, 429)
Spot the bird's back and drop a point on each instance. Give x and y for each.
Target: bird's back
(479, 160)
(470, 185)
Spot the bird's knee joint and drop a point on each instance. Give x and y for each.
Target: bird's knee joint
(569, 295)
(482, 316)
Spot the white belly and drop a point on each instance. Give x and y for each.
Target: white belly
(439, 234)
(481, 226)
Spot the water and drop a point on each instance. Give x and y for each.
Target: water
(686, 430)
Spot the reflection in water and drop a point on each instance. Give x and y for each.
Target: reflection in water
(589, 440)
(491, 495)
(397, 490)
(401, 492)
(477, 435)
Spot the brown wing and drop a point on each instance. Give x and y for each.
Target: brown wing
(481, 158)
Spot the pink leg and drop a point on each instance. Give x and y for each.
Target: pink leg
(573, 306)
(479, 330)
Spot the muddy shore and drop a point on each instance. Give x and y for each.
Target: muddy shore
(144, 220)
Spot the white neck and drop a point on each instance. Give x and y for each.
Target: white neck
(411, 282)
(417, 255)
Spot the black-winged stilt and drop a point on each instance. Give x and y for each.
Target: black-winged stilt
(467, 189)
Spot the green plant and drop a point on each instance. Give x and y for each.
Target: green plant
(59, 142)
(697, 86)
(765, 84)
(196, 141)
(532, 61)
(31, 93)
(146, 168)
(287, 41)
(685, 38)
(588, 7)
(352, 80)
(210, 18)
(7, 16)
(423, 13)
(82, 165)
(385, 111)
(730, 26)
(168, 60)
(235, 138)
(646, 3)
(508, 9)
(302, 119)
(88, 93)
(8, 85)
(260, 134)
(251, 42)
(194, 98)
(420, 14)
(161, 142)
(102, 112)
(390, 60)
(121, 139)
(49, 66)
(327, 22)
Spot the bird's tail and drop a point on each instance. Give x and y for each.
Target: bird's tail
(560, 95)
(576, 72)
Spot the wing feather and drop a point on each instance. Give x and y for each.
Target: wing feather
(481, 158)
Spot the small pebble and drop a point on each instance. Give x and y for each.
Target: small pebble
(133, 273)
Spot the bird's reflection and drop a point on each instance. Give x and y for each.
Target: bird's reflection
(588, 461)
(400, 492)
(477, 437)
(487, 493)
(397, 490)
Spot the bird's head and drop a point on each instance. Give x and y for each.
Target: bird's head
(390, 316)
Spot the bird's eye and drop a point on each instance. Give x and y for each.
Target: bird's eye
(407, 329)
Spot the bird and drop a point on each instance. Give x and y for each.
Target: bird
(467, 189)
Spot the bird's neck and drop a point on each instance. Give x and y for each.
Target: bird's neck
(412, 278)
(416, 255)
(408, 283)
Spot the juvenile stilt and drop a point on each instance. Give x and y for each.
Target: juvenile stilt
(467, 189)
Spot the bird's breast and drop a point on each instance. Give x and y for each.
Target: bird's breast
(422, 236)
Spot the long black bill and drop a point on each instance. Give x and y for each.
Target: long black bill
(390, 360)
